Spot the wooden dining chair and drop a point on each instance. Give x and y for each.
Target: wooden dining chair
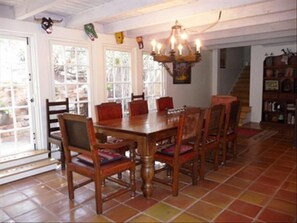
(164, 103)
(222, 99)
(109, 111)
(230, 129)
(137, 97)
(96, 161)
(226, 130)
(181, 152)
(210, 140)
(53, 109)
(138, 107)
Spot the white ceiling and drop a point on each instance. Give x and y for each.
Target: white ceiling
(242, 22)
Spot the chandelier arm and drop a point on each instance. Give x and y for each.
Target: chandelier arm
(189, 47)
(168, 69)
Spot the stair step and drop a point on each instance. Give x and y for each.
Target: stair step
(245, 108)
(243, 84)
(23, 158)
(27, 170)
(240, 91)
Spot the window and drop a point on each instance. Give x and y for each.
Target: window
(153, 80)
(71, 76)
(118, 77)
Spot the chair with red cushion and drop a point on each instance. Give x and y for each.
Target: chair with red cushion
(222, 99)
(109, 111)
(230, 129)
(138, 107)
(180, 153)
(210, 141)
(164, 103)
(230, 124)
(96, 161)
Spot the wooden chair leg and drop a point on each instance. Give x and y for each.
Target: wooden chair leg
(49, 150)
(216, 158)
(70, 185)
(62, 157)
(98, 196)
(195, 172)
(132, 182)
(225, 145)
(235, 148)
(175, 180)
(202, 166)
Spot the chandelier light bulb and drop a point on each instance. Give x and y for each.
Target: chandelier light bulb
(154, 45)
(198, 45)
(159, 46)
(172, 40)
(180, 48)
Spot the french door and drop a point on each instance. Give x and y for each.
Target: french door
(16, 126)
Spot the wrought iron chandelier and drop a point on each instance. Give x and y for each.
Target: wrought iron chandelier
(176, 50)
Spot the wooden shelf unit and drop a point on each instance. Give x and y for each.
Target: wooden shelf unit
(279, 89)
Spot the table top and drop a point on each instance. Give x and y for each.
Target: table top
(152, 122)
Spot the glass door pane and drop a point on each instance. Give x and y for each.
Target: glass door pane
(16, 133)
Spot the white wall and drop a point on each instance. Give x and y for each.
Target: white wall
(199, 91)
(256, 81)
(234, 64)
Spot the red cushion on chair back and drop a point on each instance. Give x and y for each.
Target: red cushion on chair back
(164, 103)
(108, 111)
(139, 107)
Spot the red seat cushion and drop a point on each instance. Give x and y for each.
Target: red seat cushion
(106, 156)
(168, 149)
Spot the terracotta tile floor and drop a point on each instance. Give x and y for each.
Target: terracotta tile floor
(259, 186)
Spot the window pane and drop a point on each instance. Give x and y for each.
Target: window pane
(21, 95)
(22, 118)
(59, 74)
(153, 80)
(71, 74)
(74, 83)
(118, 76)
(5, 96)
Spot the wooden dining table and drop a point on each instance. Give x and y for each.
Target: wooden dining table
(146, 130)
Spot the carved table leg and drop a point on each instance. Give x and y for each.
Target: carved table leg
(147, 174)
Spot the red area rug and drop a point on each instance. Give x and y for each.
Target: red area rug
(247, 132)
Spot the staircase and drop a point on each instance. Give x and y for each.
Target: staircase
(18, 166)
(241, 90)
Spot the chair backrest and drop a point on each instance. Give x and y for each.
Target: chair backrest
(138, 107)
(164, 103)
(232, 117)
(222, 99)
(53, 109)
(231, 121)
(108, 111)
(213, 123)
(78, 134)
(189, 127)
(137, 97)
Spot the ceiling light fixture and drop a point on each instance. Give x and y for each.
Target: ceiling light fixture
(176, 50)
